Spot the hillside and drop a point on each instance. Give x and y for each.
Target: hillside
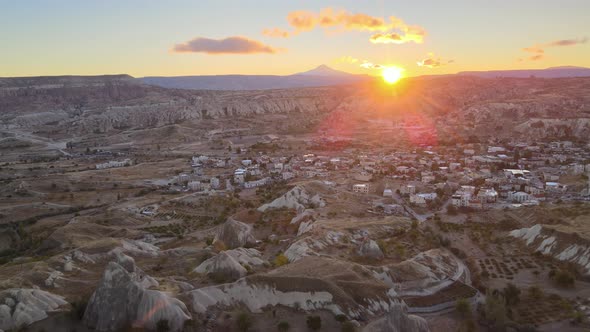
(320, 76)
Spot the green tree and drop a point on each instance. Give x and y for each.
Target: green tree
(314, 323)
(535, 292)
(511, 294)
(244, 321)
(348, 327)
(463, 307)
(162, 325)
(495, 311)
(283, 326)
(281, 260)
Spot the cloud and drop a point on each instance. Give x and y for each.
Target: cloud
(410, 34)
(386, 38)
(369, 65)
(276, 33)
(347, 59)
(230, 45)
(538, 50)
(433, 62)
(568, 42)
(391, 30)
(537, 57)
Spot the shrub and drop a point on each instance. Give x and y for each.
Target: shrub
(314, 323)
(564, 279)
(244, 322)
(348, 327)
(511, 294)
(281, 260)
(340, 318)
(535, 292)
(283, 326)
(78, 309)
(162, 325)
(463, 308)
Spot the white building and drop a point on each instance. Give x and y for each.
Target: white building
(461, 199)
(256, 183)
(487, 195)
(287, 175)
(518, 196)
(422, 198)
(555, 187)
(387, 193)
(239, 175)
(214, 183)
(361, 188)
(408, 189)
(114, 164)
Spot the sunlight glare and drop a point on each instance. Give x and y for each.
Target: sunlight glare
(392, 74)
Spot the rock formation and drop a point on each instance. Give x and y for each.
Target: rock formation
(230, 264)
(234, 234)
(309, 284)
(370, 249)
(122, 299)
(297, 198)
(22, 307)
(561, 243)
(398, 320)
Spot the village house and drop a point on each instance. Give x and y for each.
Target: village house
(422, 198)
(518, 196)
(256, 183)
(408, 189)
(461, 199)
(555, 187)
(361, 188)
(114, 164)
(239, 175)
(487, 195)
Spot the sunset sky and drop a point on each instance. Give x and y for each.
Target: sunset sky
(199, 37)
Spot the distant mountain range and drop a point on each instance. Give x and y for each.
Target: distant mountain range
(553, 72)
(320, 76)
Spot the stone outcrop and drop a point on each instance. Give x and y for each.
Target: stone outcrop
(231, 264)
(297, 198)
(123, 299)
(308, 284)
(398, 320)
(235, 234)
(22, 307)
(370, 249)
(562, 245)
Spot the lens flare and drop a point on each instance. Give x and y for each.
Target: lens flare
(392, 74)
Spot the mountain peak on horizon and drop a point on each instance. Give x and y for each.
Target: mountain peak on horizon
(324, 70)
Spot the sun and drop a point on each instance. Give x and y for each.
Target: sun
(392, 74)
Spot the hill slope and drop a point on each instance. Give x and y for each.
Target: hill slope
(320, 76)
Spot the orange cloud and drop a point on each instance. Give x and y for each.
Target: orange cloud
(391, 30)
(230, 45)
(302, 20)
(538, 50)
(369, 65)
(276, 32)
(433, 62)
(347, 59)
